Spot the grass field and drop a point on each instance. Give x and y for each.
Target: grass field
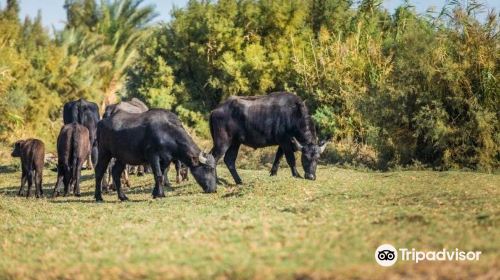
(271, 227)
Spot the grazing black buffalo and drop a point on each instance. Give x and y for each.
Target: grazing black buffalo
(32, 154)
(279, 118)
(155, 137)
(87, 114)
(73, 148)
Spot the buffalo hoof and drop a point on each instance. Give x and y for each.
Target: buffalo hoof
(99, 198)
(273, 173)
(211, 191)
(158, 195)
(78, 194)
(123, 197)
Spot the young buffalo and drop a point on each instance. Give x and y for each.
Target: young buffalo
(73, 148)
(32, 153)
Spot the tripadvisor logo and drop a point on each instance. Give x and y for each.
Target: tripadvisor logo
(387, 255)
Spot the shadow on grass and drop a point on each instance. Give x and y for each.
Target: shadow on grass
(222, 181)
(233, 194)
(48, 188)
(12, 191)
(73, 200)
(8, 169)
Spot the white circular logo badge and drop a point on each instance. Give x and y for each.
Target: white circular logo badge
(386, 255)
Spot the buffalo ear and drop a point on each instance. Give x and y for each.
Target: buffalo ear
(297, 144)
(322, 146)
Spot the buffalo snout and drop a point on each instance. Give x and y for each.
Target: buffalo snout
(310, 176)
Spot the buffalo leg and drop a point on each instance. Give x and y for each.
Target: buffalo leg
(141, 170)
(100, 170)
(108, 179)
(158, 189)
(131, 169)
(230, 161)
(67, 178)
(24, 178)
(164, 171)
(177, 171)
(94, 155)
(218, 151)
(276, 163)
(59, 181)
(76, 190)
(89, 163)
(31, 177)
(290, 159)
(164, 167)
(125, 178)
(38, 183)
(165, 176)
(57, 187)
(117, 174)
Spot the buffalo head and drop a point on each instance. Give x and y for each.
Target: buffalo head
(204, 172)
(17, 149)
(310, 156)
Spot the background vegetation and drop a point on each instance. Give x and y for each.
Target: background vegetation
(393, 88)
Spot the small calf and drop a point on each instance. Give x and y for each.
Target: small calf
(32, 154)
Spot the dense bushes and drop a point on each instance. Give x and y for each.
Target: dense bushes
(394, 89)
(415, 89)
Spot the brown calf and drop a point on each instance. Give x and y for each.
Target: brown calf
(32, 154)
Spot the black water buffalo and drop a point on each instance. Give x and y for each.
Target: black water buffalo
(133, 106)
(73, 148)
(32, 154)
(279, 118)
(155, 137)
(87, 114)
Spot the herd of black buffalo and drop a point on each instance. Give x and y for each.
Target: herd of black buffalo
(131, 134)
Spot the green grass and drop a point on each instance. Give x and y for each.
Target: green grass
(271, 227)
